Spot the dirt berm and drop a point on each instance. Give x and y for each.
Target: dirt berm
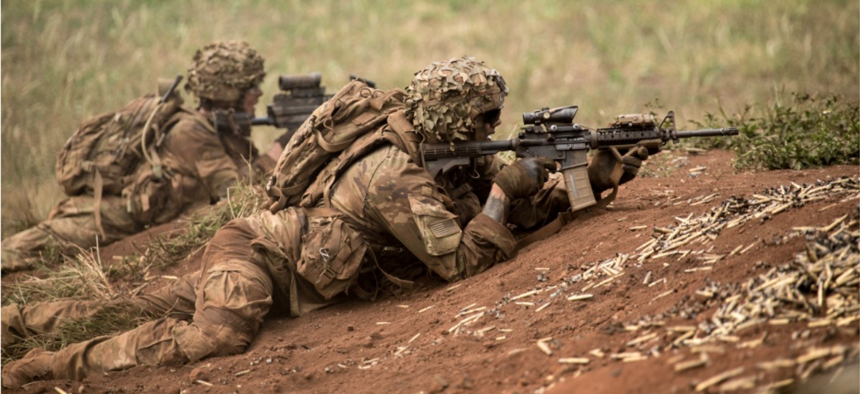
(580, 312)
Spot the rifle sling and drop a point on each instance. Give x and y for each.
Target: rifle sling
(614, 177)
(548, 230)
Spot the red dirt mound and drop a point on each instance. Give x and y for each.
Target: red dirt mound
(410, 343)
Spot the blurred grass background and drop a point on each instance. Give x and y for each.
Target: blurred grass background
(63, 61)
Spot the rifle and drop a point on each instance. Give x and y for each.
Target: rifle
(300, 95)
(552, 133)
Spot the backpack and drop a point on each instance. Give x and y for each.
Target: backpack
(107, 148)
(350, 114)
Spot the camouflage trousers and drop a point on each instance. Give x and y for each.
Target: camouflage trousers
(71, 224)
(236, 289)
(24, 321)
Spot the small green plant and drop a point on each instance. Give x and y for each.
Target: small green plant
(806, 132)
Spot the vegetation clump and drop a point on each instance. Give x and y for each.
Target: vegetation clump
(86, 277)
(802, 132)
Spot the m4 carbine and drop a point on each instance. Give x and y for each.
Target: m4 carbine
(552, 133)
(300, 95)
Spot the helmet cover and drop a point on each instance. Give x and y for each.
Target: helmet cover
(223, 70)
(445, 98)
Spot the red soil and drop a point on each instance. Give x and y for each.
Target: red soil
(321, 352)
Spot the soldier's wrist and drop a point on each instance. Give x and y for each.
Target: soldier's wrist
(498, 205)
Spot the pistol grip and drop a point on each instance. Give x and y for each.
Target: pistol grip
(578, 187)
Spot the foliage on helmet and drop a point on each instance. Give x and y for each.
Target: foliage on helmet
(445, 98)
(223, 70)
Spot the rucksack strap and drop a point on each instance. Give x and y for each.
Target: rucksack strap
(332, 147)
(98, 189)
(409, 140)
(379, 102)
(144, 144)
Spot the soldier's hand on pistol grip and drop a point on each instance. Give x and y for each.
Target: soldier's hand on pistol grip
(603, 162)
(525, 177)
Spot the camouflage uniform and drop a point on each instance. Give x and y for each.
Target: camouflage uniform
(203, 163)
(20, 321)
(383, 210)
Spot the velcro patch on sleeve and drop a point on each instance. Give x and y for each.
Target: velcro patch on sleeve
(445, 228)
(437, 226)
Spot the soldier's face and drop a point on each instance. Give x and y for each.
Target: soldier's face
(252, 96)
(486, 123)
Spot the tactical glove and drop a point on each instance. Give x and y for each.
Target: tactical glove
(525, 177)
(600, 168)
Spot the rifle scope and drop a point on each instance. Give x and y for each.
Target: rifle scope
(560, 115)
(289, 82)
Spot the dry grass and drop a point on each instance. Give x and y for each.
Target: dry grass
(162, 252)
(85, 277)
(111, 319)
(81, 277)
(64, 61)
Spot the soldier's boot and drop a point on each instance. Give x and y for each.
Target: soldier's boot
(36, 365)
(13, 261)
(230, 306)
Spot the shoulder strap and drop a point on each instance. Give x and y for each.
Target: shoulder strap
(407, 140)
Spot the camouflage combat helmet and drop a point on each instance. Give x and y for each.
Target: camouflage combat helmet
(223, 70)
(445, 98)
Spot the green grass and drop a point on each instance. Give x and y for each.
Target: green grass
(65, 61)
(796, 131)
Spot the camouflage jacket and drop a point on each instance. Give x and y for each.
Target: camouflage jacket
(398, 204)
(377, 208)
(202, 164)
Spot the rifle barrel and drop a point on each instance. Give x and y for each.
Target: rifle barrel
(267, 121)
(467, 149)
(707, 132)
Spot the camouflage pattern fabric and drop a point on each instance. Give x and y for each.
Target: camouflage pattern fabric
(222, 71)
(200, 171)
(20, 322)
(396, 217)
(71, 224)
(250, 266)
(444, 99)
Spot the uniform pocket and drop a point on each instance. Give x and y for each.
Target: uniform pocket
(150, 199)
(332, 253)
(437, 226)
